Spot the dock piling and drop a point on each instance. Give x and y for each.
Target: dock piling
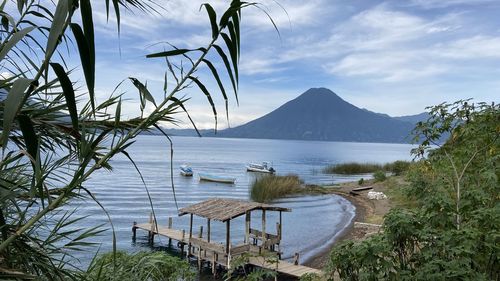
(134, 230)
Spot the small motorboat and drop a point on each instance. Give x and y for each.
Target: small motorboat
(216, 178)
(186, 171)
(261, 168)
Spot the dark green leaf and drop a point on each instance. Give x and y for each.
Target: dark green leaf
(88, 30)
(84, 50)
(29, 134)
(57, 27)
(213, 20)
(118, 112)
(16, 37)
(228, 69)
(207, 94)
(231, 46)
(181, 104)
(143, 90)
(20, 5)
(12, 105)
(236, 26)
(69, 93)
(219, 82)
(169, 53)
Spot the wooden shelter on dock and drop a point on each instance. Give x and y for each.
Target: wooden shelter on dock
(256, 243)
(225, 210)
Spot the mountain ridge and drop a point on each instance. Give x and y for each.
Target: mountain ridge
(320, 114)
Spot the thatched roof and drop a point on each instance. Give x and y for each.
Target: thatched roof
(223, 209)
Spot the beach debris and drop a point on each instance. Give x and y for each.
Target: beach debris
(374, 195)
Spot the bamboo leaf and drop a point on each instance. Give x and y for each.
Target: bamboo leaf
(171, 163)
(12, 105)
(236, 24)
(219, 82)
(88, 30)
(181, 104)
(228, 69)
(69, 93)
(117, 13)
(57, 27)
(234, 39)
(169, 53)
(16, 37)
(207, 94)
(143, 90)
(213, 19)
(233, 52)
(20, 5)
(29, 135)
(118, 112)
(87, 65)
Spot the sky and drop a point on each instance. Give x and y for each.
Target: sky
(394, 57)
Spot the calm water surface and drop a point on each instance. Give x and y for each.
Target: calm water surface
(313, 223)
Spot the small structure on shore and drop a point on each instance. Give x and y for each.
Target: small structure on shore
(256, 244)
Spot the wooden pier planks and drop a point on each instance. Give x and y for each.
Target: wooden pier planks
(174, 234)
(281, 266)
(284, 267)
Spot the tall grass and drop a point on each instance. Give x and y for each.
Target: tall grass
(271, 187)
(352, 168)
(154, 266)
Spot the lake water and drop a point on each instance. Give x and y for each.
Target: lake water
(312, 225)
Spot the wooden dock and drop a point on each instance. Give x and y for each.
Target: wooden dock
(284, 267)
(260, 248)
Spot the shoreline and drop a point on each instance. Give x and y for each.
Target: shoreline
(367, 211)
(320, 259)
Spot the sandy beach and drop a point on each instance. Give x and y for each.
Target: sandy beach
(367, 211)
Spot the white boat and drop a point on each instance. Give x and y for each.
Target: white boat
(216, 178)
(186, 171)
(261, 168)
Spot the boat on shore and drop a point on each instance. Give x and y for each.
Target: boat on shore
(216, 178)
(186, 171)
(260, 168)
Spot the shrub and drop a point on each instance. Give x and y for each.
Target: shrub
(139, 266)
(379, 176)
(361, 181)
(397, 167)
(450, 232)
(271, 187)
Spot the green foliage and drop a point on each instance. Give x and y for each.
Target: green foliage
(138, 266)
(54, 136)
(238, 272)
(451, 231)
(270, 187)
(397, 167)
(361, 181)
(311, 277)
(353, 168)
(379, 176)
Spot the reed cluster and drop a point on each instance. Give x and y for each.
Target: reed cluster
(352, 168)
(269, 188)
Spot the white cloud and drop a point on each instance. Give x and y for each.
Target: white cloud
(431, 4)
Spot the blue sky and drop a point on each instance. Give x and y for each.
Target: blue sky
(394, 57)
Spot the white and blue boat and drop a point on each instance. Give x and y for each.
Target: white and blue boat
(186, 171)
(216, 178)
(261, 168)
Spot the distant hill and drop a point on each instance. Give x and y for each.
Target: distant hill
(319, 114)
(414, 119)
(178, 132)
